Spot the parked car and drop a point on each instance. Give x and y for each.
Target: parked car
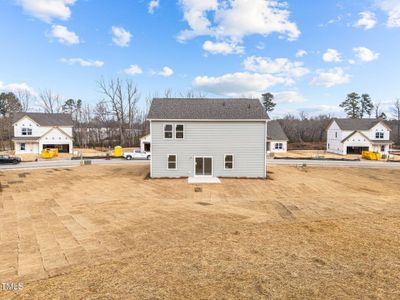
(136, 155)
(6, 159)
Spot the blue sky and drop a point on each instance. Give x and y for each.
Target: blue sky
(310, 54)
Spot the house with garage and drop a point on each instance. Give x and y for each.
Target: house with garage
(352, 136)
(34, 132)
(208, 138)
(276, 138)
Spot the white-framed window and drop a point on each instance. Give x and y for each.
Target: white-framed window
(228, 161)
(336, 134)
(26, 131)
(168, 131)
(172, 164)
(179, 131)
(22, 147)
(278, 146)
(379, 135)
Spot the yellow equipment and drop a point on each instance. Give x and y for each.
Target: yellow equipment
(49, 153)
(371, 155)
(118, 151)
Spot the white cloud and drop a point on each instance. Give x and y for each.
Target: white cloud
(153, 5)
(330, 78)
(237, 84)
(166, 72)
(222, 48)
(332, 55)
(352, 61)
(47, 10)
(280, 66)
(392, 8)
(121, 37)
(83, 62)
(235, 19)
(301, 53)
(63, 35)
(133, 70)
(17, 87)
(365, 55)
(288, 97)
(367, 20)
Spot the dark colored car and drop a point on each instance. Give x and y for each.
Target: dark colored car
(5, 159)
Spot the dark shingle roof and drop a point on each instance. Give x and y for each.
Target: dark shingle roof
(357, 124)
(275, 132)
(206, 109)
(44, 119)
(26, 138)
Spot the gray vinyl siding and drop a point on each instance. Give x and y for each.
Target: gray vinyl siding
(245, 140)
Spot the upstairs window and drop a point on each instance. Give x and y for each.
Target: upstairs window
(228, 162)
(168, 131)
(26, 131)
(179, 131)
(172, 162)
(335, 134)
(379, 135)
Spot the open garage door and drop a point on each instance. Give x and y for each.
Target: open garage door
(356, 150)
(64, 148)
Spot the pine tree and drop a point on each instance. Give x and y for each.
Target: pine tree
(352, 106)
(268, 102)
(366, 106)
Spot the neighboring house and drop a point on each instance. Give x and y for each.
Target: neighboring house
(352, 136)
(34, 132)
(276, 137)
(208, 137)
(145, 143)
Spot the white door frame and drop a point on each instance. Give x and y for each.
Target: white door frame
(194, 166)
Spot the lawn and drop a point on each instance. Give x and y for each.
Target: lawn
(108, 232)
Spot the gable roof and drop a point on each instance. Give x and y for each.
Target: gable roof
(275, 131)
(357, 124)
(354, 133)
(44, 119)
(206, 109)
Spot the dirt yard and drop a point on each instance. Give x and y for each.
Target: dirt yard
(108, 233)
(315, 154)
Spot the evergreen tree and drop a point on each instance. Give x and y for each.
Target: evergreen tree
(352, 106)
(366, 106)
(268, 102)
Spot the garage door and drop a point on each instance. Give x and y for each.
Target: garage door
(61, 148)
(356, 150)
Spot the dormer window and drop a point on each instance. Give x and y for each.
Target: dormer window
(26, 131)
(379, 135)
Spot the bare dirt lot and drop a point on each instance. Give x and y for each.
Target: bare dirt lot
(107, 232)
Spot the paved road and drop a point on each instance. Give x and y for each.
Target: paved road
(48, 164)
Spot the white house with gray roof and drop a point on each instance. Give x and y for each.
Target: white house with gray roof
(352, 136)
(34, 132)
(276, 138)
(208, 138)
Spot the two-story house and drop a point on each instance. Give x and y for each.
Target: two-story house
(34, 132)
(352, 136)
(208, 138)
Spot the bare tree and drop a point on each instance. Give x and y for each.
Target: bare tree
(26, 98)
(395, 110)
(50, 102)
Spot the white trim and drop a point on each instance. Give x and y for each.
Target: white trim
(233, 162)
(173, 131)
(26, 116)
(194, 166)
(176, 124)
(176, 162)
(265, 148)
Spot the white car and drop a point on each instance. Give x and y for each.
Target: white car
(136, 155)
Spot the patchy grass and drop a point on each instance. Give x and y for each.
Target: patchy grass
(104, 232)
